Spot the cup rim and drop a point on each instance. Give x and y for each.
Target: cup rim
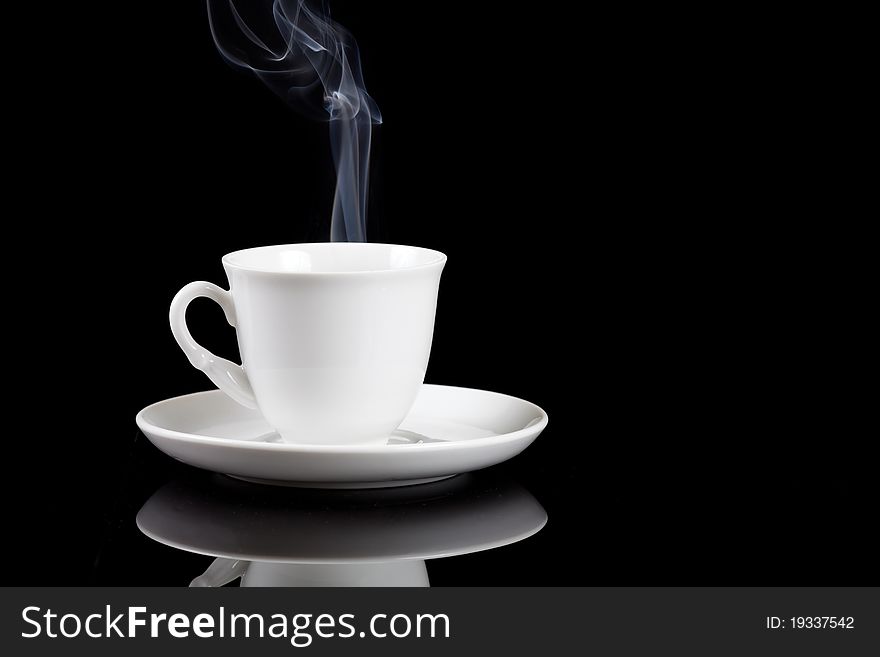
(438, 258)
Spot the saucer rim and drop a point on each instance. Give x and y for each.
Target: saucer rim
(386, 557)
(172, 434)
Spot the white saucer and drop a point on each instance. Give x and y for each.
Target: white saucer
(448, 431)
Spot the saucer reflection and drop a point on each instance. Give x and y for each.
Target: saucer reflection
(278, 537)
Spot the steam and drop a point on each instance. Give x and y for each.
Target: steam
(313, 63)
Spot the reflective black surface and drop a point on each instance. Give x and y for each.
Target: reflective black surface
(358, 538)
(617, 525)
(300, 537)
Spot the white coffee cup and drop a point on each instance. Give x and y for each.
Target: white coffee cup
(334, 337)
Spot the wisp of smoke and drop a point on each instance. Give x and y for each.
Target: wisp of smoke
(313, 63)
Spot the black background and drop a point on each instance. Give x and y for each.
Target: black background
(647, 236)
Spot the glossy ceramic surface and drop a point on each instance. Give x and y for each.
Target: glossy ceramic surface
(448, 431)
(334, 337)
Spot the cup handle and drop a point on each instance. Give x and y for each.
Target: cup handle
(226, 375)
(221, 572)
